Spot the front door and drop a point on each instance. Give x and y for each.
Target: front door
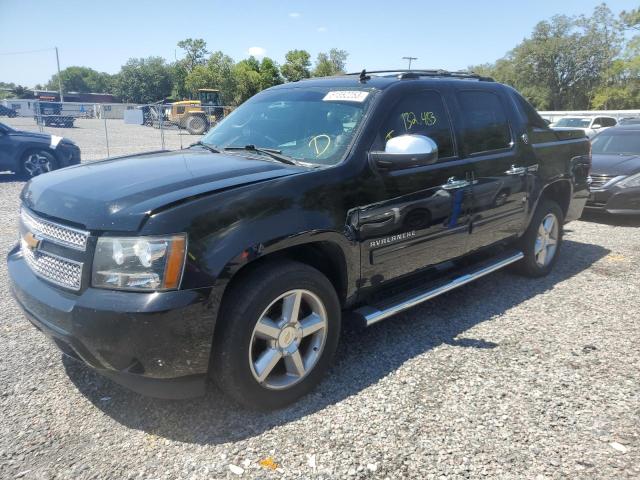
(424, 217)
(501, 167)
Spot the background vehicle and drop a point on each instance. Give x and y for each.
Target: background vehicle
(7, 112)
(196, 116)
(32, 153)
(615, 173)
(50, 114)
(629, 121)
(235, 258)
(590, 125)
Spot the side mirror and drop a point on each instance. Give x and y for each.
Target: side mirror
(406, 151)
(596, 126)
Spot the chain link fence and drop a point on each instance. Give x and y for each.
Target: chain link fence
(111, 130)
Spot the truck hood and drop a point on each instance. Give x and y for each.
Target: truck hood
(615, 165)
(118, 194)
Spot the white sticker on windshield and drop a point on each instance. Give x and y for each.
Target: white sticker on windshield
(55, 140)
(345, 96)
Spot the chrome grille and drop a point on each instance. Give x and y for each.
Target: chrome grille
(61, 271)
(599, 181)
(54, 232)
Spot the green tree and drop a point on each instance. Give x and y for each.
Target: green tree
(564, 62)
(247, 80)
(620, 88)
(332, 63)
(22, 92)
(296, 66)
(81, 79)
(6, 90)
(217, 72)
(144, 80)
(195, 52)
(269, 73)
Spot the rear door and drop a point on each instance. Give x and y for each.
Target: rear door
(424, 217)
(500, 164)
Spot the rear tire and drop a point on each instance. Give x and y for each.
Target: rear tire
(542, 241)
(265, 358)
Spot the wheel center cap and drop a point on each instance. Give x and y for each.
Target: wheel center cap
(287, 337)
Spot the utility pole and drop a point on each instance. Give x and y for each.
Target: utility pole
(59, 78)
(410, 58)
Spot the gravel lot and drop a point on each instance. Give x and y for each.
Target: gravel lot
(89, 135)
(507, 377)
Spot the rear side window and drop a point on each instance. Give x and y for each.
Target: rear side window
(485, 125)
(605, 121)
(421, 113)
(530, 113)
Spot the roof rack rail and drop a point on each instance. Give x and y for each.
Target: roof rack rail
(415, 73)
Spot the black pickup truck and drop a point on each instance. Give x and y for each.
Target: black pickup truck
(351, 197)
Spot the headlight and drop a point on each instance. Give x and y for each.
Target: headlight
(631, 181)
(139, 263)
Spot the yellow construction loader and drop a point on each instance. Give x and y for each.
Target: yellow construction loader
(197, 116)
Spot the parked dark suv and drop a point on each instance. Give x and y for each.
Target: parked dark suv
(236, 258)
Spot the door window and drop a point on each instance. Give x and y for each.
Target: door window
(421, 113)
(485, 125)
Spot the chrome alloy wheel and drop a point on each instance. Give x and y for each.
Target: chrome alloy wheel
(288, 339)
(547, 240)
(37, 164)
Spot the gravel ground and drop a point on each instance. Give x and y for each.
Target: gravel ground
(507, 377)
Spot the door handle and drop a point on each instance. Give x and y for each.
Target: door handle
(516, 170)
(453, 184)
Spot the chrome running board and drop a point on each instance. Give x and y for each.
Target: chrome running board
(370, 314)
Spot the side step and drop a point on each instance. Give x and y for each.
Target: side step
(370, 314)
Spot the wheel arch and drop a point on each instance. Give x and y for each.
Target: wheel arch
(325, 256)
(559, 191)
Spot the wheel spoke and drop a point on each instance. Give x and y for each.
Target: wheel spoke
(266, 362)
(291, 307)
(311, 324)
(542, 257)
(551, 242)
(267, 329)
(294, 364)
(548, 223)
(539, 245)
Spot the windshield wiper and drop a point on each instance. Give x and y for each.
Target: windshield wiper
(271, 152)
(205, 145)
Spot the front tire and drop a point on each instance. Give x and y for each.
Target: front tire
(196, 125)
(279, 331)
(542, 240)
(37, 162)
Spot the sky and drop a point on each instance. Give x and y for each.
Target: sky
(103, 34)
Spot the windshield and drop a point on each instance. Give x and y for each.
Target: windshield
(620, 143)
(573, 122)
(314, 125)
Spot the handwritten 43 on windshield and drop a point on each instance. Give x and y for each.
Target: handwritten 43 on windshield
(410, 119)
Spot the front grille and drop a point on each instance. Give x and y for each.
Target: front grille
(54, 232)
(61, 271)
(599, 181)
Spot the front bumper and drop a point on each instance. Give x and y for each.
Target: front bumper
(157, 344)
(68, 154)
(615, 200)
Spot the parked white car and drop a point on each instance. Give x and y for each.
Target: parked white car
(590, 125)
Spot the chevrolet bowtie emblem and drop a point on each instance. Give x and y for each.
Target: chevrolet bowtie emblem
(31, 241)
